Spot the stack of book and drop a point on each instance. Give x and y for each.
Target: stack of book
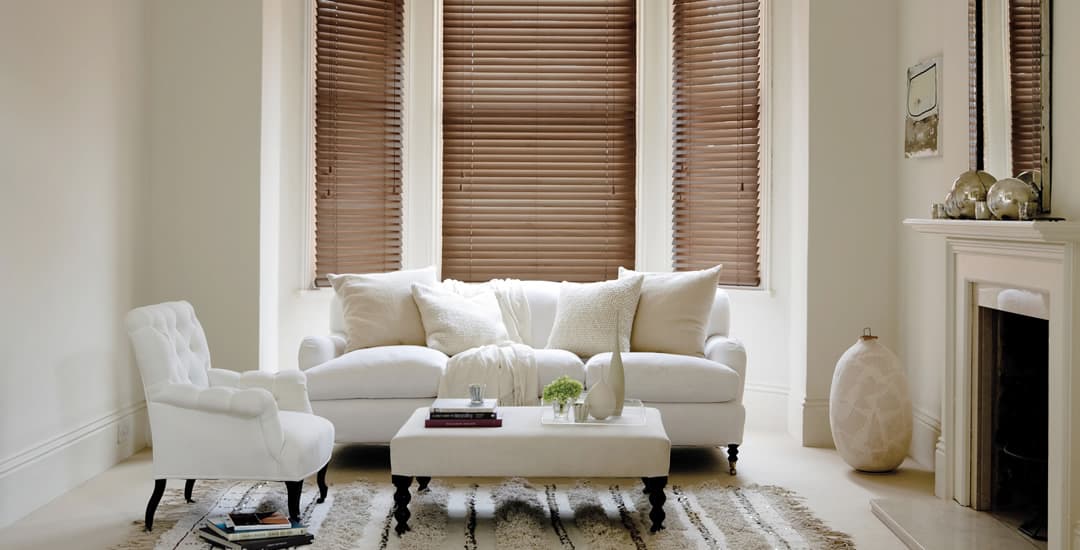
(255, 531)
(463, 413)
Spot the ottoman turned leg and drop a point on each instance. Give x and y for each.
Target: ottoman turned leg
(422, 481)
(401, 502)
(654, 486)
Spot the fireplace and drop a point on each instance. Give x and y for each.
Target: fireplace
(1011, 385)
(1010, 410)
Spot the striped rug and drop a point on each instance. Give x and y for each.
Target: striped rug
(514, 514)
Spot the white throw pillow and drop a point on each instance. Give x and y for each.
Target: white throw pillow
(378, 308)
(455, 323)
(673, 312)
(586, 314)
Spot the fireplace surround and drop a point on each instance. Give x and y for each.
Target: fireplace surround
(1027, 268)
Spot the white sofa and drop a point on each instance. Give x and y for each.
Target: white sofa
(369, 393)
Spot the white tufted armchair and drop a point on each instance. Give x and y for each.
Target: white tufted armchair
(211, 423)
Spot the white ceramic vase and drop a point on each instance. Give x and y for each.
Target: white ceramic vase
(617, 376)
(869, 407)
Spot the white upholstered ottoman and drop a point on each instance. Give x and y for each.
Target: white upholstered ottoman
(524, 447)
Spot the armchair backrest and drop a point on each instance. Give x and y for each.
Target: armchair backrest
(169, 343)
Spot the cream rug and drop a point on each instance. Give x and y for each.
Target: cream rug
(514, 514)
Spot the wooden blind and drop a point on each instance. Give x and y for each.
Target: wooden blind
(538, 139)
(717, 105)
(975, 134)
(358, 57)
(1025, 71)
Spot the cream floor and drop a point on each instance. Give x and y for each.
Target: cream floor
(100, 512)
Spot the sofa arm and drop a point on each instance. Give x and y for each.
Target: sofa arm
(289, 387)
(728, 351)
(316, 350)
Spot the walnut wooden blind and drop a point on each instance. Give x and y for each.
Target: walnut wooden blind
(538, 139)
(975, 134)
(716, 173)
(1025, 64)
(358, 57)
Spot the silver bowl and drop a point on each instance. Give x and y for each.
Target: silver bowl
(1006, 196)
(968, 188)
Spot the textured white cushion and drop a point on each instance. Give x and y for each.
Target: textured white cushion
(673, 311)
(670, 378)
(553, 363)
(379, 309)
(455, 323)
(382, 372)
(586, 315)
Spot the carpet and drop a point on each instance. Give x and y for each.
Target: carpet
(515, 514)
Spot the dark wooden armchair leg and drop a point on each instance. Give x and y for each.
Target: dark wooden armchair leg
(294, 489)
(155, 498)
(187, 490)
(732, 457)
(321, 479)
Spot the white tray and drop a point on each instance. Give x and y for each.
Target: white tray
(633, 414)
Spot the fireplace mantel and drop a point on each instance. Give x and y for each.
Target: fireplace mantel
(1030, 231)
(1039, 256)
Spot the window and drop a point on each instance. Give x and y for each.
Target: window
(358, 57)
(538, 139)
(716, 140)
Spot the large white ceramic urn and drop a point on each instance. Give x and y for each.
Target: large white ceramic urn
(869, 407)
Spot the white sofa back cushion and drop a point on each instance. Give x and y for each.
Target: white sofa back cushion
(455, 323)
(673, 311)
(589, 314)
(379, 309)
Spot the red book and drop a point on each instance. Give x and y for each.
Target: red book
(463, 423)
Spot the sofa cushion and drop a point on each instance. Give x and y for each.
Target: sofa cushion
(455, 323)
(378, 308)
(673, 311)
(588, 315)
(668, 378)
(382, 372)
(553, 363)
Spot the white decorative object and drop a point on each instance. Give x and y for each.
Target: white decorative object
(586, 313)
(601, 399)
(454, 323)
(869, 407)
(617, 375)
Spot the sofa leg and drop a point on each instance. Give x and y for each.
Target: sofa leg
(294, 489)
(321, 480)
(188, 486)
(155, 498)
(732, 457)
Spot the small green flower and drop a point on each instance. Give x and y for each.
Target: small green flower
(562, 390)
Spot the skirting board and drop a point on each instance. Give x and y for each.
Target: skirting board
(816, 430)
(37, 475)
(926, 429)
(765, 406)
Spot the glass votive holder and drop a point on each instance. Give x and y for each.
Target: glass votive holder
(982, 212)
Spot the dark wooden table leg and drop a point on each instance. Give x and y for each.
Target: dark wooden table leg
(645, 480)
(155, 498)
(655, 487)
(423, 483)
(321, 480)
(294, 488)
(401, 502)
(187, 490)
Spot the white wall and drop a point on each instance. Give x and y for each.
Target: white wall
(928, 28)
(72, 172)
(204, 103)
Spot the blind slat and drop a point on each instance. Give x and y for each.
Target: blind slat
(716, 134)
(358, 72)
(538, 139)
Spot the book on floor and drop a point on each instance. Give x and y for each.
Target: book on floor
(220, 525)
(257, 521)
(265, 543)
(449, 405)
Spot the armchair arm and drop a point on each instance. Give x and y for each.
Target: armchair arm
(288, 388)
(316, 350)
(728, 351)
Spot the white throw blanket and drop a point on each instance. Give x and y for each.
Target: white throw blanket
(508, 370)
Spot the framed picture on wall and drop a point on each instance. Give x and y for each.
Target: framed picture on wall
(921, 136)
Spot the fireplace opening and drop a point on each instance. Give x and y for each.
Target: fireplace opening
(1012, 403)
